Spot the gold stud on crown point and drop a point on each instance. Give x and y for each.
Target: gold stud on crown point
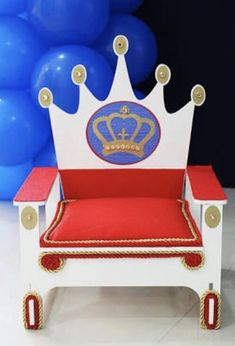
(163, 74)
(79, 74)
(45, 98)
(120, 45)
(212, 216)
(198, 95)
(29, 218)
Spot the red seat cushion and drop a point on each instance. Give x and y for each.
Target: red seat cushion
(110, 222)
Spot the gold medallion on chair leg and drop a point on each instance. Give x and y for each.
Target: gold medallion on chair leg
(32, 311)
(210, 310)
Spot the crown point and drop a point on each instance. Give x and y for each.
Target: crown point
(198, 95)
(45, 97)
(163, 74)
(120, 45)
(79, 74)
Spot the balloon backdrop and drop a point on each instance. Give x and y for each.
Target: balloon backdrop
(12, 178)
(23, 129)
(40, 43)
(126, 6)
(20, 49)
(12, 6)
(139, 94)
(142, 53)
(54, 71)
(69, 21)
(46, 157)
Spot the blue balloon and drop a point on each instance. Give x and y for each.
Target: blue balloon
(23, 129)
(12, 6)
(23, 15)
(142, 54)
(47, 156)
(54, 71)
(20, 48)
(62, 22)
(139, 94)
(126, 6)
(11, 179)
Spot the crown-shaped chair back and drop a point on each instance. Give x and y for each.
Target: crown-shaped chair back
(122, 132)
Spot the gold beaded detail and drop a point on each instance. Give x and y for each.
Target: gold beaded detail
(212, 216)
(79, 74)
(45, 97)
(198, 95)
(163, 74)
(124, 109)
(120, 45)
(29, 218)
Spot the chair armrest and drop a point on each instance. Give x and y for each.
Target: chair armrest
(205, 187)
(37, 186)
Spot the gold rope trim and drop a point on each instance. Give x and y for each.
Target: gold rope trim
(140, 253)
(61, 265)
(38, 297)
(60, 213)
(202, 306)
(195, 267)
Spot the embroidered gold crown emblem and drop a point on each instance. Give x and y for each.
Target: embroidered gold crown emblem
(122, 141)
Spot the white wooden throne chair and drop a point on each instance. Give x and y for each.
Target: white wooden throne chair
(132, 213)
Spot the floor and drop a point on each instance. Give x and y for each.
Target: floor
(113, 316)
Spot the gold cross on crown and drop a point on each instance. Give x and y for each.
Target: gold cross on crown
(123, 134)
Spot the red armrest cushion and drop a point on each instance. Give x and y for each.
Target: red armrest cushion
(37, 186)
(204, 184)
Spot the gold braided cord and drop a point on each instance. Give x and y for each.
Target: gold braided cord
(194, 267)
(61, 265)
(40, 307)
(60, 213)
(202, 307)
(113, 253)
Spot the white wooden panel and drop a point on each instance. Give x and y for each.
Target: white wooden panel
(31, 313)
(211, 311)
(69, 131)
(52, 201)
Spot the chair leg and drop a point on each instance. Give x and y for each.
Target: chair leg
(33, 311)
(210, 310)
